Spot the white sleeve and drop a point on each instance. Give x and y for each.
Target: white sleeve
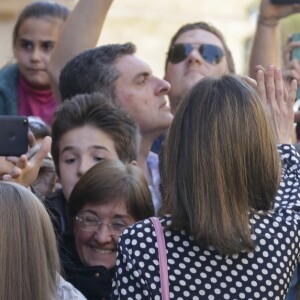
(66, 291)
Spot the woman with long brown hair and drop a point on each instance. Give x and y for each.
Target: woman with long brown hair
(228, 234)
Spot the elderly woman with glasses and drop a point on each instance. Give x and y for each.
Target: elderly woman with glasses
(110, 197)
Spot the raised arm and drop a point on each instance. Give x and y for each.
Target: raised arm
(81, 31)
(278, 105)
(266, 43)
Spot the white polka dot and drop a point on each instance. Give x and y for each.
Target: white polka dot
(196, 273)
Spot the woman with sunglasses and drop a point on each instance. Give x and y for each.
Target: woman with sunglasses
(224, 238)
(108, 198)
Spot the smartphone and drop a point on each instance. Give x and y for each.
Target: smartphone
(285, 1)
(295, 54)
(13, 135)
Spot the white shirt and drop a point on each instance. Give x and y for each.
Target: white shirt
(153, 165)
(66, 291)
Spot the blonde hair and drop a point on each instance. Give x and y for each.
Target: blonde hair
(28, 253)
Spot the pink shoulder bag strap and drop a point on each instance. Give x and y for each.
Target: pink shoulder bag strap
(162, 255)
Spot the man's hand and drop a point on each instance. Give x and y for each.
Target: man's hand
(273, 13)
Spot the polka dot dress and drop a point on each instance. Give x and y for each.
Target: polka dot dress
(197, 273)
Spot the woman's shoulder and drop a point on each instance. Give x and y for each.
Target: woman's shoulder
(145, 228)
(164, 220)
(9, 71)
(9, 75)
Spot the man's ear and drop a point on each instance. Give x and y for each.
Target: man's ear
(133, 162)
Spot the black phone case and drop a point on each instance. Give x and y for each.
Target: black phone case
(13, 135)
(285, 1)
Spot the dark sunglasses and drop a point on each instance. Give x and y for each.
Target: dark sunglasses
(210, 53)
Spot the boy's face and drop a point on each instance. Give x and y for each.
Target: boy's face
(79, 150)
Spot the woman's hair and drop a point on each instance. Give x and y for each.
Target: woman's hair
(220, 164)
(111, 180)
(28, 253)
(40, 10)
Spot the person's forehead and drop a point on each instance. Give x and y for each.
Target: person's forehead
(43, 26)
(87, 133)
(32, 21)
(131, 65)
(200, 36)
(107, 208)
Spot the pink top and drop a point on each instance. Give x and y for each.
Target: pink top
(32, 102)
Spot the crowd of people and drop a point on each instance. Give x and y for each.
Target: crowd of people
(210, 153)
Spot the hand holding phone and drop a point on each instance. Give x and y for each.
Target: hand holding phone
(26, 169)
(285, 1)
(272, 11)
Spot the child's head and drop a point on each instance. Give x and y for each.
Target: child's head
(86, 130)
(34, 35)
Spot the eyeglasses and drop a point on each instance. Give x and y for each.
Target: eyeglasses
(210, 53)
(90, 223)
